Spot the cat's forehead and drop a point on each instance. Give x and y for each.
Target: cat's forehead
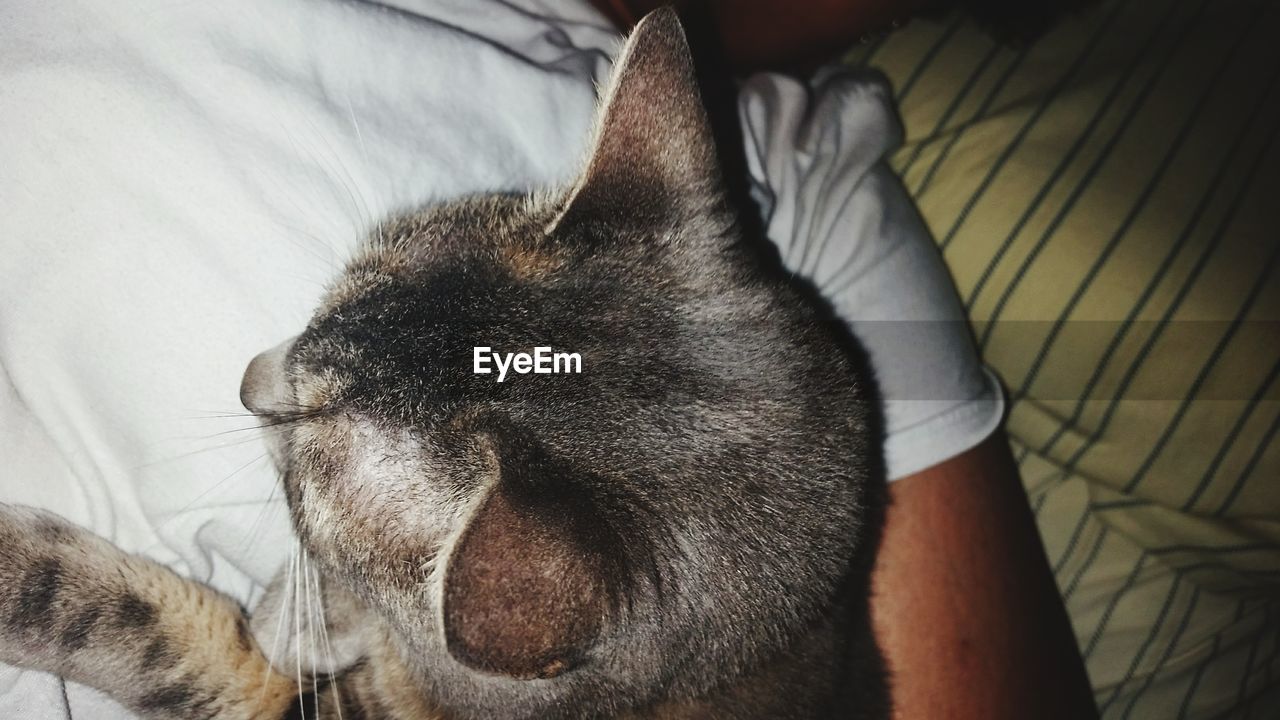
(489, 233)
(410, 313)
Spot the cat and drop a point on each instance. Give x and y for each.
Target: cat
(682, 529)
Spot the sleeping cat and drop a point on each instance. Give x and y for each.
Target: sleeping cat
(684, 529)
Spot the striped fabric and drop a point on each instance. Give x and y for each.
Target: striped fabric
(1109, 203)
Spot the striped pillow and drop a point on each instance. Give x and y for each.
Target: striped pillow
(1108, 201)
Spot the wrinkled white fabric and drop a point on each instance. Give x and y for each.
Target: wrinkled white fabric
(841, 218)
(178, 181)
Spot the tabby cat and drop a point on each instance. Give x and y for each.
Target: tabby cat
(682, 530)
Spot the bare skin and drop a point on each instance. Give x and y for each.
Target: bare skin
(965, 606)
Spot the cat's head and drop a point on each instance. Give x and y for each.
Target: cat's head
(668, 517)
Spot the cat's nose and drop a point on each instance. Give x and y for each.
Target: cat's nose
(264, 388)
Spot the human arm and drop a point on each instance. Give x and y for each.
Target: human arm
(965, 607)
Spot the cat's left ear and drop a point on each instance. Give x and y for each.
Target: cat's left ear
(654, 158)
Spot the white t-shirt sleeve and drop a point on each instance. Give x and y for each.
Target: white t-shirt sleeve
(841, 218)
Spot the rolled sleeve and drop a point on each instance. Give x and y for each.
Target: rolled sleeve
(840, 217)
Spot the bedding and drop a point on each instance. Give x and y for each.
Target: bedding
(181, 180)
(1106, 202)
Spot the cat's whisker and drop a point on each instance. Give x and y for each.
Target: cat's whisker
(296, 236)
(200, 451)
(329, 258)
(187, 507)
(275, 640)
(310, 151)
(355, 124)
(218, 414)
(297, 629)
(328, 646)
(259, 517)
(311, 630)
(274, 424)
(266, 425)
(364, 152)
(364, 219)
(281, 420)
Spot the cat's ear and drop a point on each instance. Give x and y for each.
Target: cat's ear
(653, 158)
(529, 582)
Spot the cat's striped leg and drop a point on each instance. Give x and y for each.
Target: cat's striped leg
(73, 604)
